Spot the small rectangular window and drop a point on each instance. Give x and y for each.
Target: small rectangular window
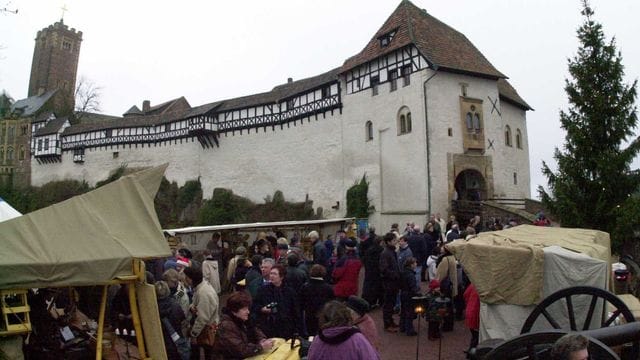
(290, 104)
(108, 133)
(46, 144)
(406, 75)
(66, 45)
(375, 81)
(393, 80)
(326, 92)
(39, 144)
(450, 132)
(116, 154)
(515, 178)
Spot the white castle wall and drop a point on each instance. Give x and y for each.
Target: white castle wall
(324, 157)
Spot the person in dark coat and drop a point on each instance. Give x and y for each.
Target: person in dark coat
(295, 277)
(431, 242)
(169, 309)
(372, 290)
(254, 272)
(367, 242)
(319, 251)
(408, 289)
(237, 337)
(313, 295)
(346, 272)
(390, 275)
(418, 248)
(276, 306)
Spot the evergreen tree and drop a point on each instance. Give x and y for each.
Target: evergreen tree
(594, 182)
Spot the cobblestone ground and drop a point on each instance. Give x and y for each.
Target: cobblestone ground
(400, 347)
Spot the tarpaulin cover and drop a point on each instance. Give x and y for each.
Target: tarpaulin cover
(562, 269)
(7, 212)
(89, 239)
(507, 266)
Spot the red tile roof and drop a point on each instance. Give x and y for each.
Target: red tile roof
(442, 46)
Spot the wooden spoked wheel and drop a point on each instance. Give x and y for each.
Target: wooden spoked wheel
(614, 308)
(537, 346)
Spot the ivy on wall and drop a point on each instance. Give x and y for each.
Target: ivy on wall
(358, 203)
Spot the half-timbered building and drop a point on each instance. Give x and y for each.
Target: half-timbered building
(419, 110)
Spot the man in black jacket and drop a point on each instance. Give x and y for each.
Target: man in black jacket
(418, 246)
(372, 290)
(390, 274)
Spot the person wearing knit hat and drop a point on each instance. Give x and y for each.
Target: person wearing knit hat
(241, 250)
(364, 322)
(358, 304)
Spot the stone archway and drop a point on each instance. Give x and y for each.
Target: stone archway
(471, 185)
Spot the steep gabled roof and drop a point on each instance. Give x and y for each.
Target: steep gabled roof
(110, 122)
(52, 127)
(31, 105)
(171, 105)
(295, 87)
(510, 95)
(444, 47)
(134, 110)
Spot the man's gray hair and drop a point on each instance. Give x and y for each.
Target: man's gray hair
(568, 344)
(269, 261)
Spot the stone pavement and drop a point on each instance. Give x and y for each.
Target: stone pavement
(402, 347)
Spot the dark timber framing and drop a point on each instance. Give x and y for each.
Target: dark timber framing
(359, 78)
(208, 126)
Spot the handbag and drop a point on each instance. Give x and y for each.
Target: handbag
(208, 335)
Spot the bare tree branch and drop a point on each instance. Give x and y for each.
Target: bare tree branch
(87, 97)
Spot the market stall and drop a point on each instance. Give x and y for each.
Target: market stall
(98, 238)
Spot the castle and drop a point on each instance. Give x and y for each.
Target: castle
(419, 110)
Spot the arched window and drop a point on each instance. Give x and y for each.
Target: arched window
(368, 131)
(404, 121)
(11, 133)
(507, 135)
(9, 154)
(22, 153)
(1, 155)
(469, 121)
(518, 139)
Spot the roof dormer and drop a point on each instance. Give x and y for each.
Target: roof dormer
(385, 39)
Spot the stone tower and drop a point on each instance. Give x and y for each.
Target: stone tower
(55, 64)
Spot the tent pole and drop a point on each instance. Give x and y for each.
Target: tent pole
(135, 316)
(103, 306)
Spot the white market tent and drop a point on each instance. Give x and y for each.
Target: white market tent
(97, 238)
(517, 268)
(7, 212)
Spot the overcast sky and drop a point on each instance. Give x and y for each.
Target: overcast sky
(214, 50)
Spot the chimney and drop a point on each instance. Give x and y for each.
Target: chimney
(289, 80)
(146, 105)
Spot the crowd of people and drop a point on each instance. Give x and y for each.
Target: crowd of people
(277, 290)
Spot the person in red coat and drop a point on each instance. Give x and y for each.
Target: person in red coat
(472, 313)
(346, 272)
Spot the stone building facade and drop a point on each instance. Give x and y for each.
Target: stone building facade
(419, 110)
(55, 64)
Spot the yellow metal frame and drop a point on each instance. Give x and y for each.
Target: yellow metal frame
(129, 281)
(7, 311)
(138, 268)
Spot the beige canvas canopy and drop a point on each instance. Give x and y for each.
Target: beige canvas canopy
(507, 266)
(90, 239)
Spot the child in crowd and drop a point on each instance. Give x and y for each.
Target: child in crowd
(408, 289)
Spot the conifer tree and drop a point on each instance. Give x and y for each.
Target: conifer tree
(594, 182)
